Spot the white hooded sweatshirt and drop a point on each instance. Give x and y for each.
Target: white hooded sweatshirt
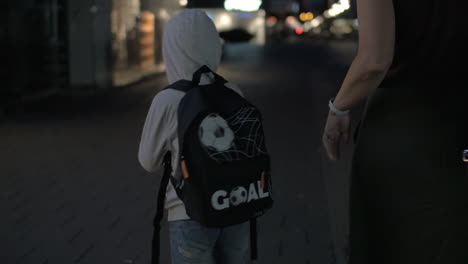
(190, 41)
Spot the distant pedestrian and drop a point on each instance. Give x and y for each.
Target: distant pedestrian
(409, 191)
(216, 233)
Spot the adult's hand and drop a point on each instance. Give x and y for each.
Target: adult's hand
(337, 129)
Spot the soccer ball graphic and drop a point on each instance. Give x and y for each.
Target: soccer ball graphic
(238, 195)
(215, 133)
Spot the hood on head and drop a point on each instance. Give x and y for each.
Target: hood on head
(190, 41)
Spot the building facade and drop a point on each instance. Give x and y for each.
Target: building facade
(69, 46)
(34, 46)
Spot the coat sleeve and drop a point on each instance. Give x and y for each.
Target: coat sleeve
(154, 138)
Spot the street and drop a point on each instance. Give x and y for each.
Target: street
(72, 189)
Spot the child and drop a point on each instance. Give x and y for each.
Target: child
(190, 41)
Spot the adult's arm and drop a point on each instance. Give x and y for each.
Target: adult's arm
(371, 64)
(375, 52)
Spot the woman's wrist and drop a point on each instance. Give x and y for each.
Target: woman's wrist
(336, 110)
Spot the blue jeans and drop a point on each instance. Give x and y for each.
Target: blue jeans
(194, 243)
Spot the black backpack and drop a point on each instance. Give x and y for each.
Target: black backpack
(225, 165)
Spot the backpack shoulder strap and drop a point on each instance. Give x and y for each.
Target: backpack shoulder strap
(182, 85)
(253, 240)
(205, 69)
(160, 209)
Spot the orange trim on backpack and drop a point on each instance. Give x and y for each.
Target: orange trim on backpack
(262, 180)
(184, 169)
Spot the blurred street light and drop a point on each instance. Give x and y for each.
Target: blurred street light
(337, 8)
(225, 21)
(271, 21)
(299, 31)
(306, 16)
(314, 23)
(164, 14)
(243, 5)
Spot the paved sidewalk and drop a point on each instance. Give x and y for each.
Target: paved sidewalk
(71, 188)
